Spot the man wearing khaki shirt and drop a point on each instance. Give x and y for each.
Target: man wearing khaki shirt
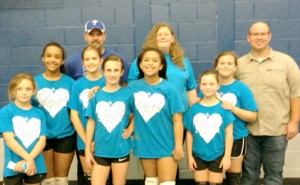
(274, 79)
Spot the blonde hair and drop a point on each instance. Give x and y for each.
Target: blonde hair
(176, 52)
(15, 81)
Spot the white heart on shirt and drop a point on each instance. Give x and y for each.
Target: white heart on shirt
(27, 130)
(227, 97)
(207, 126)
(148, 105)
(53, 100)
(110, 115)
(84, 98)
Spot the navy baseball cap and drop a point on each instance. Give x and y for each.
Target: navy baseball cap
(94, 24)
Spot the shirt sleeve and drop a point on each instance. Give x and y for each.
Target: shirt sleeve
(293, 78)
(74, 98)
(247, 100)
(229, 117)
(71, 83)
(191, 83)
(43, 124)
(133, 71)
(90, 111)
(188, 120)
(6, 121)
(175, 100)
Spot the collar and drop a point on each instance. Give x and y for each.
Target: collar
(269, 57)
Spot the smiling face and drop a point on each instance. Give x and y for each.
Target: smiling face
(91, 61)
(95, 38)
(259, 36)
(164, 39)
(53, 59)
(113, 70)
(226, 66)
(209, 85)
(151, 64)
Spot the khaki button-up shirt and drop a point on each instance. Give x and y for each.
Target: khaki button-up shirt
(273, 82)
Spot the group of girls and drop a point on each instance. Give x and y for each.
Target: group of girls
(40, 138)
(216, 126)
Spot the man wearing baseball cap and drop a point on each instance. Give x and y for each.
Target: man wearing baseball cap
(94, 35)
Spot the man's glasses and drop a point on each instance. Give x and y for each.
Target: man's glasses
(263, 34)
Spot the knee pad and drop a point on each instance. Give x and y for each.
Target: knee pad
(87, 179)
(168, 183)
(233, 178)
(49, 181)
(61, 180)
(151, 181)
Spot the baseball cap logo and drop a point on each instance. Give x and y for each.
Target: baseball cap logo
(94, 24)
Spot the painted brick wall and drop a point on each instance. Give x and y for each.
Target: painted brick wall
(203, 27)
(27, 25)
(283, 17)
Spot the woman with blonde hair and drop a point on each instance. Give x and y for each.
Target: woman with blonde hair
(179, 69)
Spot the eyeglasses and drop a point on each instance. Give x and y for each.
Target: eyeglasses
(264, 34)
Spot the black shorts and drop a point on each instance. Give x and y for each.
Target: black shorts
(20, 178)
(210, 165)
(81, 153)
(62, 145)
(107, 161)
(239, 148)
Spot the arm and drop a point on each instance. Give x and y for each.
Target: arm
(90, 128)
(245, 115)
(38, 149)
(178, 136)
(77, 124)
(192, 96)
(93, 90)
(292, 126)
(127, 132)
(226, 161)
(189, 146)
(20, 151)
(293, 77)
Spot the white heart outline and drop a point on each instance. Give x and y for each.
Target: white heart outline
(207, 125)
(148, 105)
(53, 100)
(110, 114)
(231, 97)
(27, 130)
(84, 98)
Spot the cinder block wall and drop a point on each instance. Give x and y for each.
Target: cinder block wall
(203, 27)
(283, 17)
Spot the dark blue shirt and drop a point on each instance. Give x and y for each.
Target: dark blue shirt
(74, 68)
